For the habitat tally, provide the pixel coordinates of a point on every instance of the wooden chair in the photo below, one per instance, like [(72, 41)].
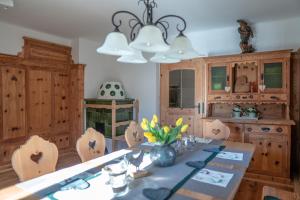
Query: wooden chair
[(90, 145), (216, 130), (134, 134), (35, 158), (278, 193)]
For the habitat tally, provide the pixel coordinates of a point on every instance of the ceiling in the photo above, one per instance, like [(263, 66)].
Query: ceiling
[(92, 18)]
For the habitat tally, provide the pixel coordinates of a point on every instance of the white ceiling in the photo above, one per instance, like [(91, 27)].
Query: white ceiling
[(92, 18)]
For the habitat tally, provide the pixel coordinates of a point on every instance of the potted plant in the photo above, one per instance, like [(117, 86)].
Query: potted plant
[(236, 111), (163, 154), (251, 112)]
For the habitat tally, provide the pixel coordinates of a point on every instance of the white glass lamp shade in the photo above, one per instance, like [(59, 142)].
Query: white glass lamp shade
[(163, 58), (150, 39), (136, 58), (182, 49), (115, 44)]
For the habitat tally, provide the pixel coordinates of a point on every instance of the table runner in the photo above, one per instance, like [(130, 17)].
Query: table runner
[(161, 177)]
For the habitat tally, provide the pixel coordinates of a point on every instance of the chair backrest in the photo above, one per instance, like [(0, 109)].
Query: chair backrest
[(269, 192), (134, 134), (90, 145), (216, 130), (35, 158)]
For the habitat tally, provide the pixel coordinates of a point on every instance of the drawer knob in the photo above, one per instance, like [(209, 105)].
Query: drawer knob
[(274, 97), (249, 129), (279, 130)]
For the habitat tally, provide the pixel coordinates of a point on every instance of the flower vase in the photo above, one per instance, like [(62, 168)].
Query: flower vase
[(163, 155), (236, 114), (252, 115)]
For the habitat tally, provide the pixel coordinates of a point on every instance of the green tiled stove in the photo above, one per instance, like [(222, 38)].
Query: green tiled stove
[(111, 117)]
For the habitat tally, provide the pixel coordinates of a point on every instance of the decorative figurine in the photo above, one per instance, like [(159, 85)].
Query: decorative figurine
[(136, 161), (245, 34)]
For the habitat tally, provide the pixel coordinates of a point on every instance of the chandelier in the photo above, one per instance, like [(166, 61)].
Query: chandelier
[(147, 35)]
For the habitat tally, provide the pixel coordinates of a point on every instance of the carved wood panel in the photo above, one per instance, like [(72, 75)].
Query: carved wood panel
[(276, 157), (13, 102), (61, 101), (39, 86)]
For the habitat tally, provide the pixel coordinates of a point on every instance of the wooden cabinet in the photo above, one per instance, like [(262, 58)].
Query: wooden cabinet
[(272, 154), (41, 94), (272, 144), (254, 78), (13, 102), (39, 102), (182, 94)]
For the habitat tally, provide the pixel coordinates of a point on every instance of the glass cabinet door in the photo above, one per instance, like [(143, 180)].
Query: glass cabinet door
[(182, 88), (219, 78), (273, 76)]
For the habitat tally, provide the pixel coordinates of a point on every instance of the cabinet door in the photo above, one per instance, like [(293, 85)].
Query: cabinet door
[(276, 157), (182, 94), (61, 102), (39, 115), (258, 156), (13, 102), (218, 78), (273, 75)]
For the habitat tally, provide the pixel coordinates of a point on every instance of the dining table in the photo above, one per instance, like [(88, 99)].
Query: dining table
[(209, 171)]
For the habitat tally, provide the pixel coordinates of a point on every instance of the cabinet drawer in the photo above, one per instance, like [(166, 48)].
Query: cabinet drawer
[(245, 97), (218, 97), (273, 97), (266, 129)]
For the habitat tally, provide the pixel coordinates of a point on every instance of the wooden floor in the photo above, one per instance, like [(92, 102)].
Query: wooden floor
[(249, 190)]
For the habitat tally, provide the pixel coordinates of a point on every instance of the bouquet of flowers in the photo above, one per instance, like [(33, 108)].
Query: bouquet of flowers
[(163, 135)]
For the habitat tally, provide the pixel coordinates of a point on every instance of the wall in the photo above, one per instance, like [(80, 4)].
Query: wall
[(11, 41), (139, 81), (273, 35)]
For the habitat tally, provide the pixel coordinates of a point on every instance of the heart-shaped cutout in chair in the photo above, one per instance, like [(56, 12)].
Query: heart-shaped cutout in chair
[(36, 157)]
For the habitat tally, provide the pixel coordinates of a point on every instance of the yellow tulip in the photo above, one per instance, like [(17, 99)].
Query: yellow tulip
[(152, 124), (179, 136), (144, 126), (155, 118), (184, 128), (145, 121), (148, 134), (152, 139), (179, 121), (166, 129)]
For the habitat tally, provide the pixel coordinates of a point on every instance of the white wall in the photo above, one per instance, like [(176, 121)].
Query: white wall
[(11, 38), (274, 35), (139, 81)]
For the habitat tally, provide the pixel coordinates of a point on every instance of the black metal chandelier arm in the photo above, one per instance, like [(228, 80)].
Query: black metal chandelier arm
[(165, 31), (174, 16), (118, 24), (133, 32)]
